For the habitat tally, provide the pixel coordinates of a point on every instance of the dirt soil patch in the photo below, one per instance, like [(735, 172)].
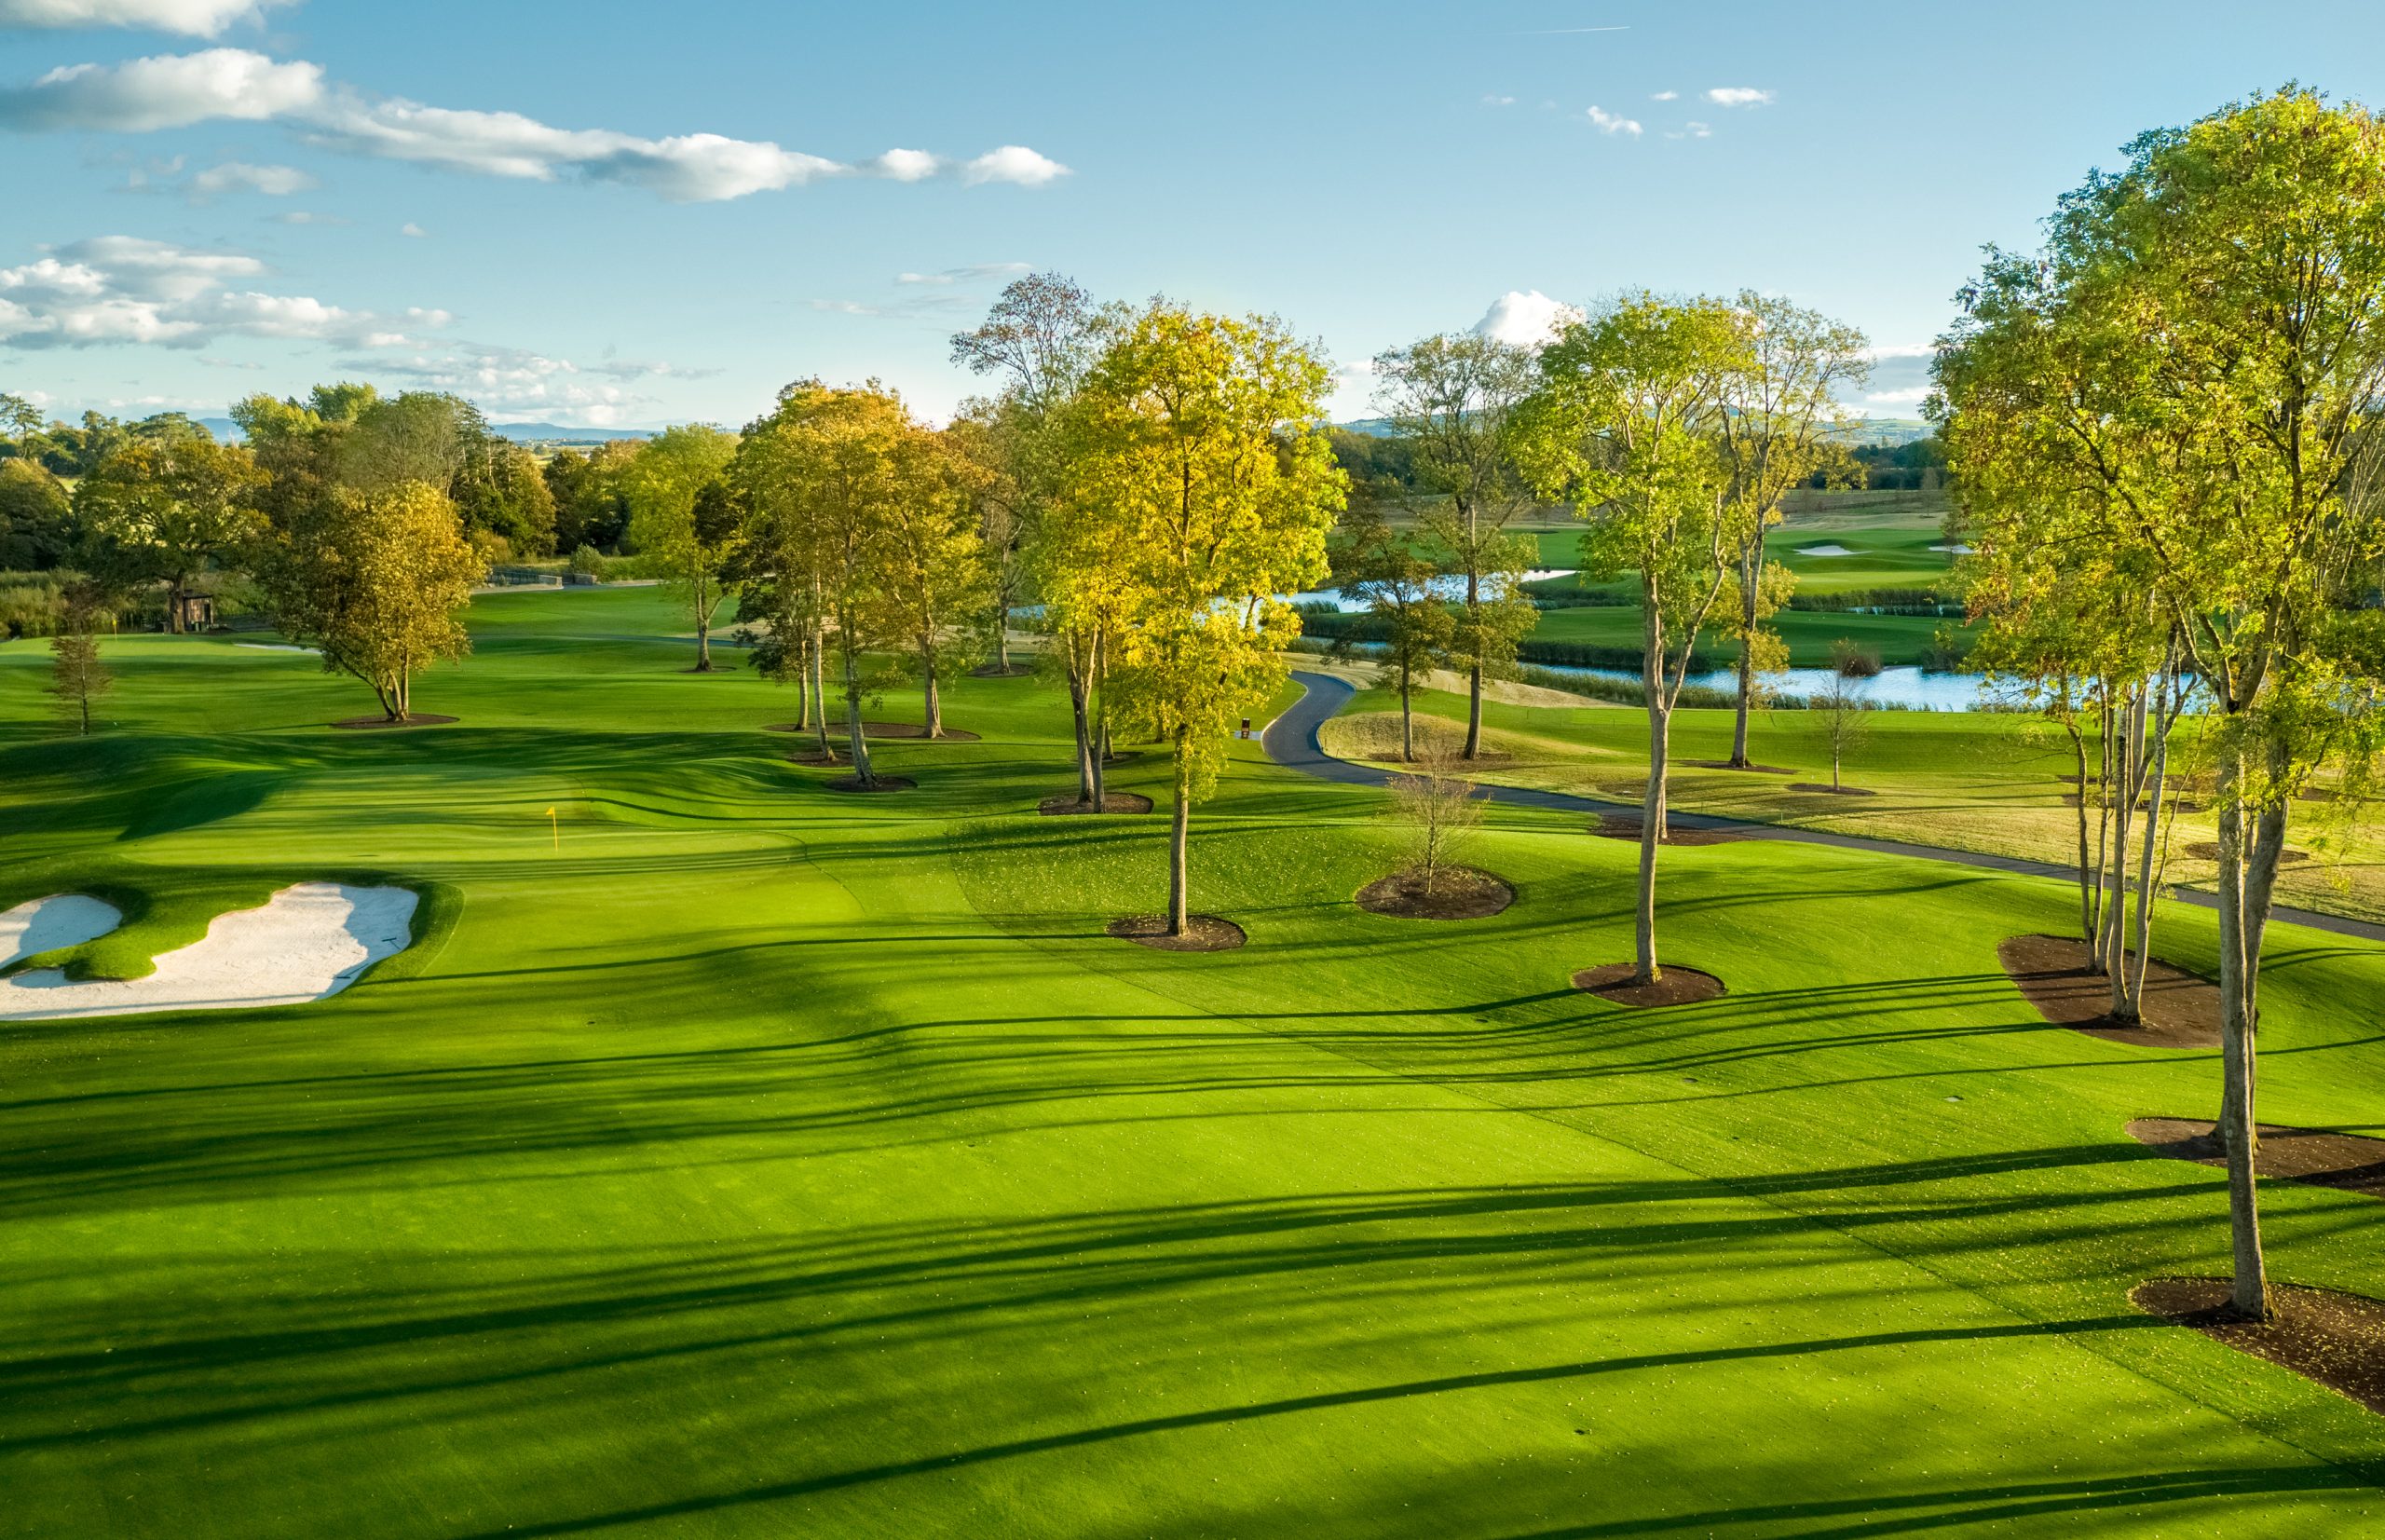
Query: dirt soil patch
[(1828, 790), (375, 724), (2169, 804), (878, 784), (2338, 1339), (1203, 932), (2351, 1162), (1626, 825), (1117, 801), (1676, 986), (2208, 849), (996, 670), (1465, 893), (1743, 770), (883, 730), (815, 757), (2181, 1011)]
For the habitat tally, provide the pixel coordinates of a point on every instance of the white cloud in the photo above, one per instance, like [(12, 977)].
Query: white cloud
[(307, 217), (235, 176), (120, 289), (413, 231), (521, 384), (193, 18), (1665, 96), (1526, 318), (167, 91), (1607, 122), (1494, 100), (1013, 163), (175, 92), (1739, 95), (1700, 130), (907, 165), (964, 275)]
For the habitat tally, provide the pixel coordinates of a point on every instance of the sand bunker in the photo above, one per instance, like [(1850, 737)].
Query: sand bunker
[(307, 943), (47, 924), (1823, 551), (277, 647)]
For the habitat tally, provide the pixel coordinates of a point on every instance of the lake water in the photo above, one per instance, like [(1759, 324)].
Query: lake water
[(1448, 588), (1903, 687)]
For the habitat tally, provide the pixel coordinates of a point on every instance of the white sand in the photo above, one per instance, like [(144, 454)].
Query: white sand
[(308, 943), (276, 647), (1957, 550), (1824, 551), (47, 924)]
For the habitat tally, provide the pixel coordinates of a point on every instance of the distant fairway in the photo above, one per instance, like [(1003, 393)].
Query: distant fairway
[(776, 1162)]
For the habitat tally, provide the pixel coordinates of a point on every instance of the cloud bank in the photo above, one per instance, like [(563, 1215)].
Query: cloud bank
[(178, 91), (1526, 319), (119, 289), (192, 17)]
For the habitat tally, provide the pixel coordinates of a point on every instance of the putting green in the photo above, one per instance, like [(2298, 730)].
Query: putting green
[(770, 1161)]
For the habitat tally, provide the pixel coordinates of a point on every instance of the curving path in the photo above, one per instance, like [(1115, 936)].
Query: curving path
[(1291, 739)]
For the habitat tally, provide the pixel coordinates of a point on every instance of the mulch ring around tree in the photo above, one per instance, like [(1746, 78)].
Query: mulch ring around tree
[(1116, 801), (2208, 849), (1460, 893), (2180, 1010), (1743, 770), (2338, 1339), (875, 783), (1675, 985), (1828, 790), (1626, 825), (375, 724), (874, 730), (1203, 932), (996, 670), (2349, 1163)]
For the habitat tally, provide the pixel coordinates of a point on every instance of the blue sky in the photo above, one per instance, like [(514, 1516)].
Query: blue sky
[(237, 196)]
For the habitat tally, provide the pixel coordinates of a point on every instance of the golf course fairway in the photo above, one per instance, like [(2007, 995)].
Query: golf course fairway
[(729, 1156)]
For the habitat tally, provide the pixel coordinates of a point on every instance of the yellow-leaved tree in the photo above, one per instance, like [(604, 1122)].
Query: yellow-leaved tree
[(376, 581), (688, 536), (1204, 448)]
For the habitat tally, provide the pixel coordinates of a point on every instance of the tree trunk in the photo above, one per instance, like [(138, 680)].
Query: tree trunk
[(854, 732), (1100, 735), (1077, 705), (934, 718), (1178, 920), (2155, 782), (1651, 806), (1001, 630), (820, 684), (2131, 755), (2087, 875), (1406, 718), (802, 685), (1474, 673), (703, 637), (1748, 578), (2238, 1125)]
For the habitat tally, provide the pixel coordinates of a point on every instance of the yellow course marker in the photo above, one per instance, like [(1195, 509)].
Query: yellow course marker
[(557, 822)]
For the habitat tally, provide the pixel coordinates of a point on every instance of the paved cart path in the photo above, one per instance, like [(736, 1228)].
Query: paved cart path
[(1290, 740)]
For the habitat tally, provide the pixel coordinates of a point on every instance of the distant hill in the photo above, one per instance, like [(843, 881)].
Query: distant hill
[(1863, 432), (227, 431)]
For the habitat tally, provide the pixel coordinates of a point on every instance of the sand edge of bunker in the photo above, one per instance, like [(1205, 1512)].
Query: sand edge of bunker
[(307, 941), (1203, 932), (1465, 893), (1615, 983), (2328, 1336), (2181, 1010), (1066, 805), (1626, 826), (2318, 1157)]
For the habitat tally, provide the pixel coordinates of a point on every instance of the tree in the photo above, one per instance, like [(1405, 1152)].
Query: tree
[(1204, 449), (500, 491), (36, 517), (375, 580), (79, 677), (1626, 424), (1387, 570), (690, 540), (1779, 423), (165, 511), (20, 419), (2227, 285), (987, 441), (1439, 809), (824, 475), (586, 491), (1038, 339), (935, 567), (1843, 700), (1450, 398)]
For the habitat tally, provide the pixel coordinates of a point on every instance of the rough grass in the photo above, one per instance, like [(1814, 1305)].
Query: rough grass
[(775, 1163)]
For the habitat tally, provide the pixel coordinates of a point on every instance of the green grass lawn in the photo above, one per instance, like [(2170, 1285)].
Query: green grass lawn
[(772, 1161)]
